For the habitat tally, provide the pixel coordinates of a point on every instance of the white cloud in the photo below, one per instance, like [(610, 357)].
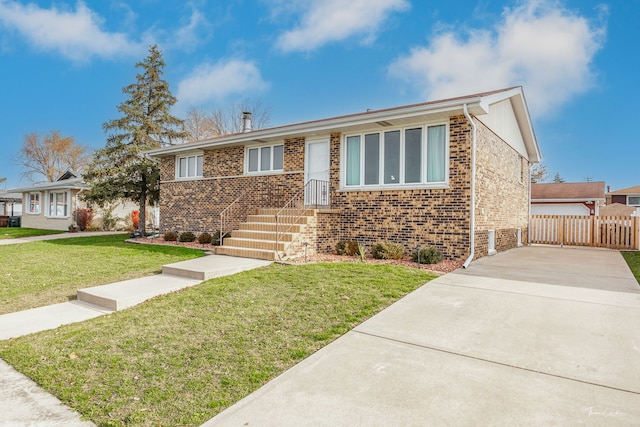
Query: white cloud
[(326, 21), (76, 35), (214, 82), (539, 45)]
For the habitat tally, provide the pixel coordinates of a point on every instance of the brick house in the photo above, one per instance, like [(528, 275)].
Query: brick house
[(420, 175)]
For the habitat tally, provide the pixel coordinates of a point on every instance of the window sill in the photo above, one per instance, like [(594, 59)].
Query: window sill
[(189, 178), (263, 173), (439, 186)]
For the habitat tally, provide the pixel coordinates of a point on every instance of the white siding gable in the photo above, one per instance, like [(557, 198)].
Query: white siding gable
[(502, 120)]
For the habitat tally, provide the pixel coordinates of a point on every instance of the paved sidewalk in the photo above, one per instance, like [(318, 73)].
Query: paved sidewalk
[(533, 336), (63, 235), (22, 402)]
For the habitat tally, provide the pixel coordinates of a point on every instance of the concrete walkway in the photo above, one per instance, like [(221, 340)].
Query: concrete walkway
[(62, 235), (23, 403), (533, 336)]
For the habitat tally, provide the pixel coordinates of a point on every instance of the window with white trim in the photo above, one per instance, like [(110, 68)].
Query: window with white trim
[(58, 204), (402, 157), (633, 200), (269, 158), (190, 166), (34, 204)]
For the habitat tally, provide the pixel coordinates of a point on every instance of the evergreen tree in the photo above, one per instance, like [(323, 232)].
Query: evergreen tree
[(558, 179), (120, 170)]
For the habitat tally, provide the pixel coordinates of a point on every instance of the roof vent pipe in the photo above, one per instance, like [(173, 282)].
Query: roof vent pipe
[(246, 122)]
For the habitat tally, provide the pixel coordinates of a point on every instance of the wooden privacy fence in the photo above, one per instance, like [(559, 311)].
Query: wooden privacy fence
[(615, 232)]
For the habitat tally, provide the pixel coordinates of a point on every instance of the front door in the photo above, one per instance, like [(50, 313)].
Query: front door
[(316, 168)]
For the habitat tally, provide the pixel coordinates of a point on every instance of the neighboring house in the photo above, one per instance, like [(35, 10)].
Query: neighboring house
[(420, 175), (627, 196), (51, 205), (618, 209), (567, 198), (10, 204), (624, 202)]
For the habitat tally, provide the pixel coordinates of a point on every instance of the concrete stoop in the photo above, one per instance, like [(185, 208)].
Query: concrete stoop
[(174, 277), (121, 295), (256, 238)]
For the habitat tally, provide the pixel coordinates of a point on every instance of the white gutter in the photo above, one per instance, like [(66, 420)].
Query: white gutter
[(472, 232)]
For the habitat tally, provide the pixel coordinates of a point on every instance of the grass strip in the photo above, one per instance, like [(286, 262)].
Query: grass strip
[(182, 358), (42, 273), (17, 232), (633, 260)]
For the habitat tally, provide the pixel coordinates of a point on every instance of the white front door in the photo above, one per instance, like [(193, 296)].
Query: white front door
[(316, 167)]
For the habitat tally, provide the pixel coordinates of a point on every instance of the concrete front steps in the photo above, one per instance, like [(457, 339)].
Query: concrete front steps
[(256, 238), (174, 277)]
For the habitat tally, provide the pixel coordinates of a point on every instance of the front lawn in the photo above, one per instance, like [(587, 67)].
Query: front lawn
[(182, 358), (633, 260), (42, 273), (17, 232)]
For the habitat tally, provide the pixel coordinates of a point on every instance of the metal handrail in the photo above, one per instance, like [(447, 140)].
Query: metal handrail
[(315, 194)]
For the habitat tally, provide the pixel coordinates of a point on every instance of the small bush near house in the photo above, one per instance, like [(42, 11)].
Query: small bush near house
[(135, 219), (427, 256), (170, 236), (204, 238), (83, 218), (187, 236), (109, 220), (347, 247), (387, 250), (215, 240)]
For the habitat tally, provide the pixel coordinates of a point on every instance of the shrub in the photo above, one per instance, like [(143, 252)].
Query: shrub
[(216, 238), (347, 247), (187, 236), (204, 238), (135, 219), (427, 256), (170, 236), (83, 218), (109, 220), (387, 250)]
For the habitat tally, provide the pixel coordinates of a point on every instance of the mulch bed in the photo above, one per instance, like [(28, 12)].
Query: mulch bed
[(445, 266)]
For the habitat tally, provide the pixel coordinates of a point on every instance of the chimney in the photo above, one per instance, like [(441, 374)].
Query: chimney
[(246, 122), (608, 189)]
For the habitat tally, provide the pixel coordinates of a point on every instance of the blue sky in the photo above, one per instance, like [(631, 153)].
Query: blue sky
[(63, 65)]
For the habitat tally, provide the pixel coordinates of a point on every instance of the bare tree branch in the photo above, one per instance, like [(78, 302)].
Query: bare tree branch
[(223, 121), (50, 156)]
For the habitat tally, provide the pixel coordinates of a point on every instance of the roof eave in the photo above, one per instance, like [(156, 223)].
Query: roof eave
[(476, 105)]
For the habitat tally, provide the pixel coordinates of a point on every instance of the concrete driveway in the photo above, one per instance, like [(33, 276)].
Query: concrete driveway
[(533, 336)]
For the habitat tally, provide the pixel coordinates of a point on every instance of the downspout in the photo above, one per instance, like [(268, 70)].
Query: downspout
[(472, 232)]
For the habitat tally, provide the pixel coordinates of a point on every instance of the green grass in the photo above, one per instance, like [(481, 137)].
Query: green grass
[(182, 358), (633, 260), (17, 232), (42, 273)]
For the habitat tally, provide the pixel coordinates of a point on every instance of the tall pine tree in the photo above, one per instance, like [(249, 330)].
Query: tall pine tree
[(120, 170)]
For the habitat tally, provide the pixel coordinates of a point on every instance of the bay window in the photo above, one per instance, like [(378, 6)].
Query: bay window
[(401, 157)]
